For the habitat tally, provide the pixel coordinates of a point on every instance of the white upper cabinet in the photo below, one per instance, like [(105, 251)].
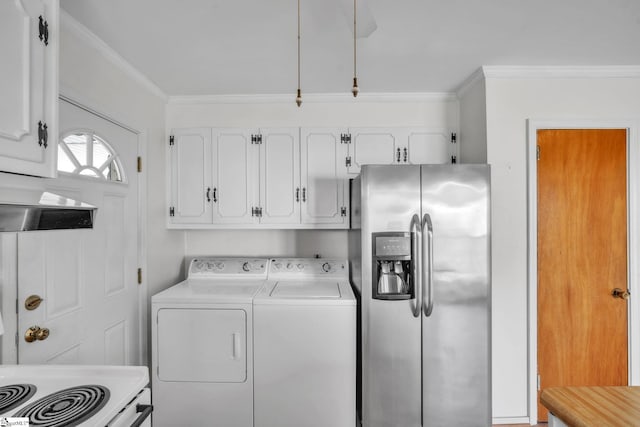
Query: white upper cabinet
[(402, 145), (191, 188), (29, 86), (234, 190), (257, 178), (324, 194), (279, 176)]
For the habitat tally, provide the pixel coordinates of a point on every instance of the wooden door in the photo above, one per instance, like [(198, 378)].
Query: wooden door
[(86, 278), (582, 256)]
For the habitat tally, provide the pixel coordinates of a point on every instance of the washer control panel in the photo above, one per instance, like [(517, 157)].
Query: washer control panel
[(308, 267), (202, 267)]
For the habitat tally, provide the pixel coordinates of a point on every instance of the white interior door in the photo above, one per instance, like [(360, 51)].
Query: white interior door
[(86, 278)]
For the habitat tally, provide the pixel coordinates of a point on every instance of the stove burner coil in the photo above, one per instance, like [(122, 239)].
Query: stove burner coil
[(66, 408), (14, 395)]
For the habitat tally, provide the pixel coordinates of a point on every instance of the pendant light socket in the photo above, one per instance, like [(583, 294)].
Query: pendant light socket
[(299, 98), (354, 89)]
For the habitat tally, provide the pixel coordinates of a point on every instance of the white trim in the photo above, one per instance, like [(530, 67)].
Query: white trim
[(470, 82), (9, 293), (560, 72), (314, 98), (512, 420), (633, 197), (143, 288), (70, 23)]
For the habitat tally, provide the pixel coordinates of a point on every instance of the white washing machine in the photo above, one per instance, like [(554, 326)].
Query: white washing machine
[(305, 345), (202, 344)]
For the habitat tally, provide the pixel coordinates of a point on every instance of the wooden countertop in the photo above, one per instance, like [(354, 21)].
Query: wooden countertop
[(594, 406)]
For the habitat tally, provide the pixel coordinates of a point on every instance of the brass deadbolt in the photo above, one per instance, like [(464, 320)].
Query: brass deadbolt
[(32, 302)]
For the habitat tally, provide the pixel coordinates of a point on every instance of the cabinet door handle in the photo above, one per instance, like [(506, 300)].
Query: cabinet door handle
[(43, 28), (406, 154), (215, 195), (297, 194), (304, 194), (208, 191), (46, 135), (398, 155)]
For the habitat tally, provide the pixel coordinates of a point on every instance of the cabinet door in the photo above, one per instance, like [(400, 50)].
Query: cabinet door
[(372, 146), (322, 177), (29, 87), (280, 176), (426, 146), (235, 176), (190, 157)]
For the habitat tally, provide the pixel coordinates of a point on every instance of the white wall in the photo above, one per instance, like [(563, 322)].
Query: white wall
[(510, 102), (473, 121), (432, 110), (93, 75)]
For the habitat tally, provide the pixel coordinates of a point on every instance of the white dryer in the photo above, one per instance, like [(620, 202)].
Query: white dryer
[(202, 344), (305, 345)]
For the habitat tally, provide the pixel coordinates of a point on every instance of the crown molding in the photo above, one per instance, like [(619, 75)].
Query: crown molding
[(70, 23), (316, 98), (560, 72)]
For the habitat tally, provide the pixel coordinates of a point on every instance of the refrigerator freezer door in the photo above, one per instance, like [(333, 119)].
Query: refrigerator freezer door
[(455, 341), (390, 333)]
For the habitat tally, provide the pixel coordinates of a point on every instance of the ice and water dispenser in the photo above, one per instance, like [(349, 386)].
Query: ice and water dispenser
[(392, 266)]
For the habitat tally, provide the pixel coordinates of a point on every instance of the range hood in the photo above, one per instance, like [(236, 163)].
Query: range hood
[(28, 210)]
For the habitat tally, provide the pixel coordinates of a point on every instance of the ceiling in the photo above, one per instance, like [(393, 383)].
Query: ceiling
[(220, 47)]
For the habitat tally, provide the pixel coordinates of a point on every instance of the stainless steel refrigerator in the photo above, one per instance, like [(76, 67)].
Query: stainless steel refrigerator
[(420, 256)]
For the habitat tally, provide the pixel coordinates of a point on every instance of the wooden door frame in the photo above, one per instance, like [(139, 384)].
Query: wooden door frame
[(633, 241)]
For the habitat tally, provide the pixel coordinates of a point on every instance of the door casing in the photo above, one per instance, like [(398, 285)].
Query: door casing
[(633, 241)]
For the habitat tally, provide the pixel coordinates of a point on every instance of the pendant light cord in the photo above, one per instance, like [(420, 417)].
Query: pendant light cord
[(299, 93), (354, 89)]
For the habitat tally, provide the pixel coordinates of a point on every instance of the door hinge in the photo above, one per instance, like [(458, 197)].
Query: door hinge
[(172, 211), (347, 161), (17, 305), (257, 212), (454, 138), (43, 134), (454, 160), (256, 139), (43, 30), (538, 385), (139, 276), (343, 211), (139, 164), (537, 152), (172, 140), (345, 138), (16, 340)]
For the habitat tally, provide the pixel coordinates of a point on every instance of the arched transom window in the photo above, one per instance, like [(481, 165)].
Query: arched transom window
[(86, 154)]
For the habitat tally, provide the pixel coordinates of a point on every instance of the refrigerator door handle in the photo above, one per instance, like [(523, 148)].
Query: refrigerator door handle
[(416, 250), (427, 307)]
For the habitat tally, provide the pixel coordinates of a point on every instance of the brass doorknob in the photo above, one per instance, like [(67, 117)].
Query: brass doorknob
[(42, 334), (31, 334), (619, 293), (36, 333)]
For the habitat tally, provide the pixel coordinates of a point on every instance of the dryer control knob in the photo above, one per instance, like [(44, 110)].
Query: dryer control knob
[(289, 266), (326, 267), (246, 266), (300, 267)]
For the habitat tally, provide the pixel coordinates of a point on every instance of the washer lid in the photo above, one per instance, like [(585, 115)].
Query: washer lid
[(305, 289)]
